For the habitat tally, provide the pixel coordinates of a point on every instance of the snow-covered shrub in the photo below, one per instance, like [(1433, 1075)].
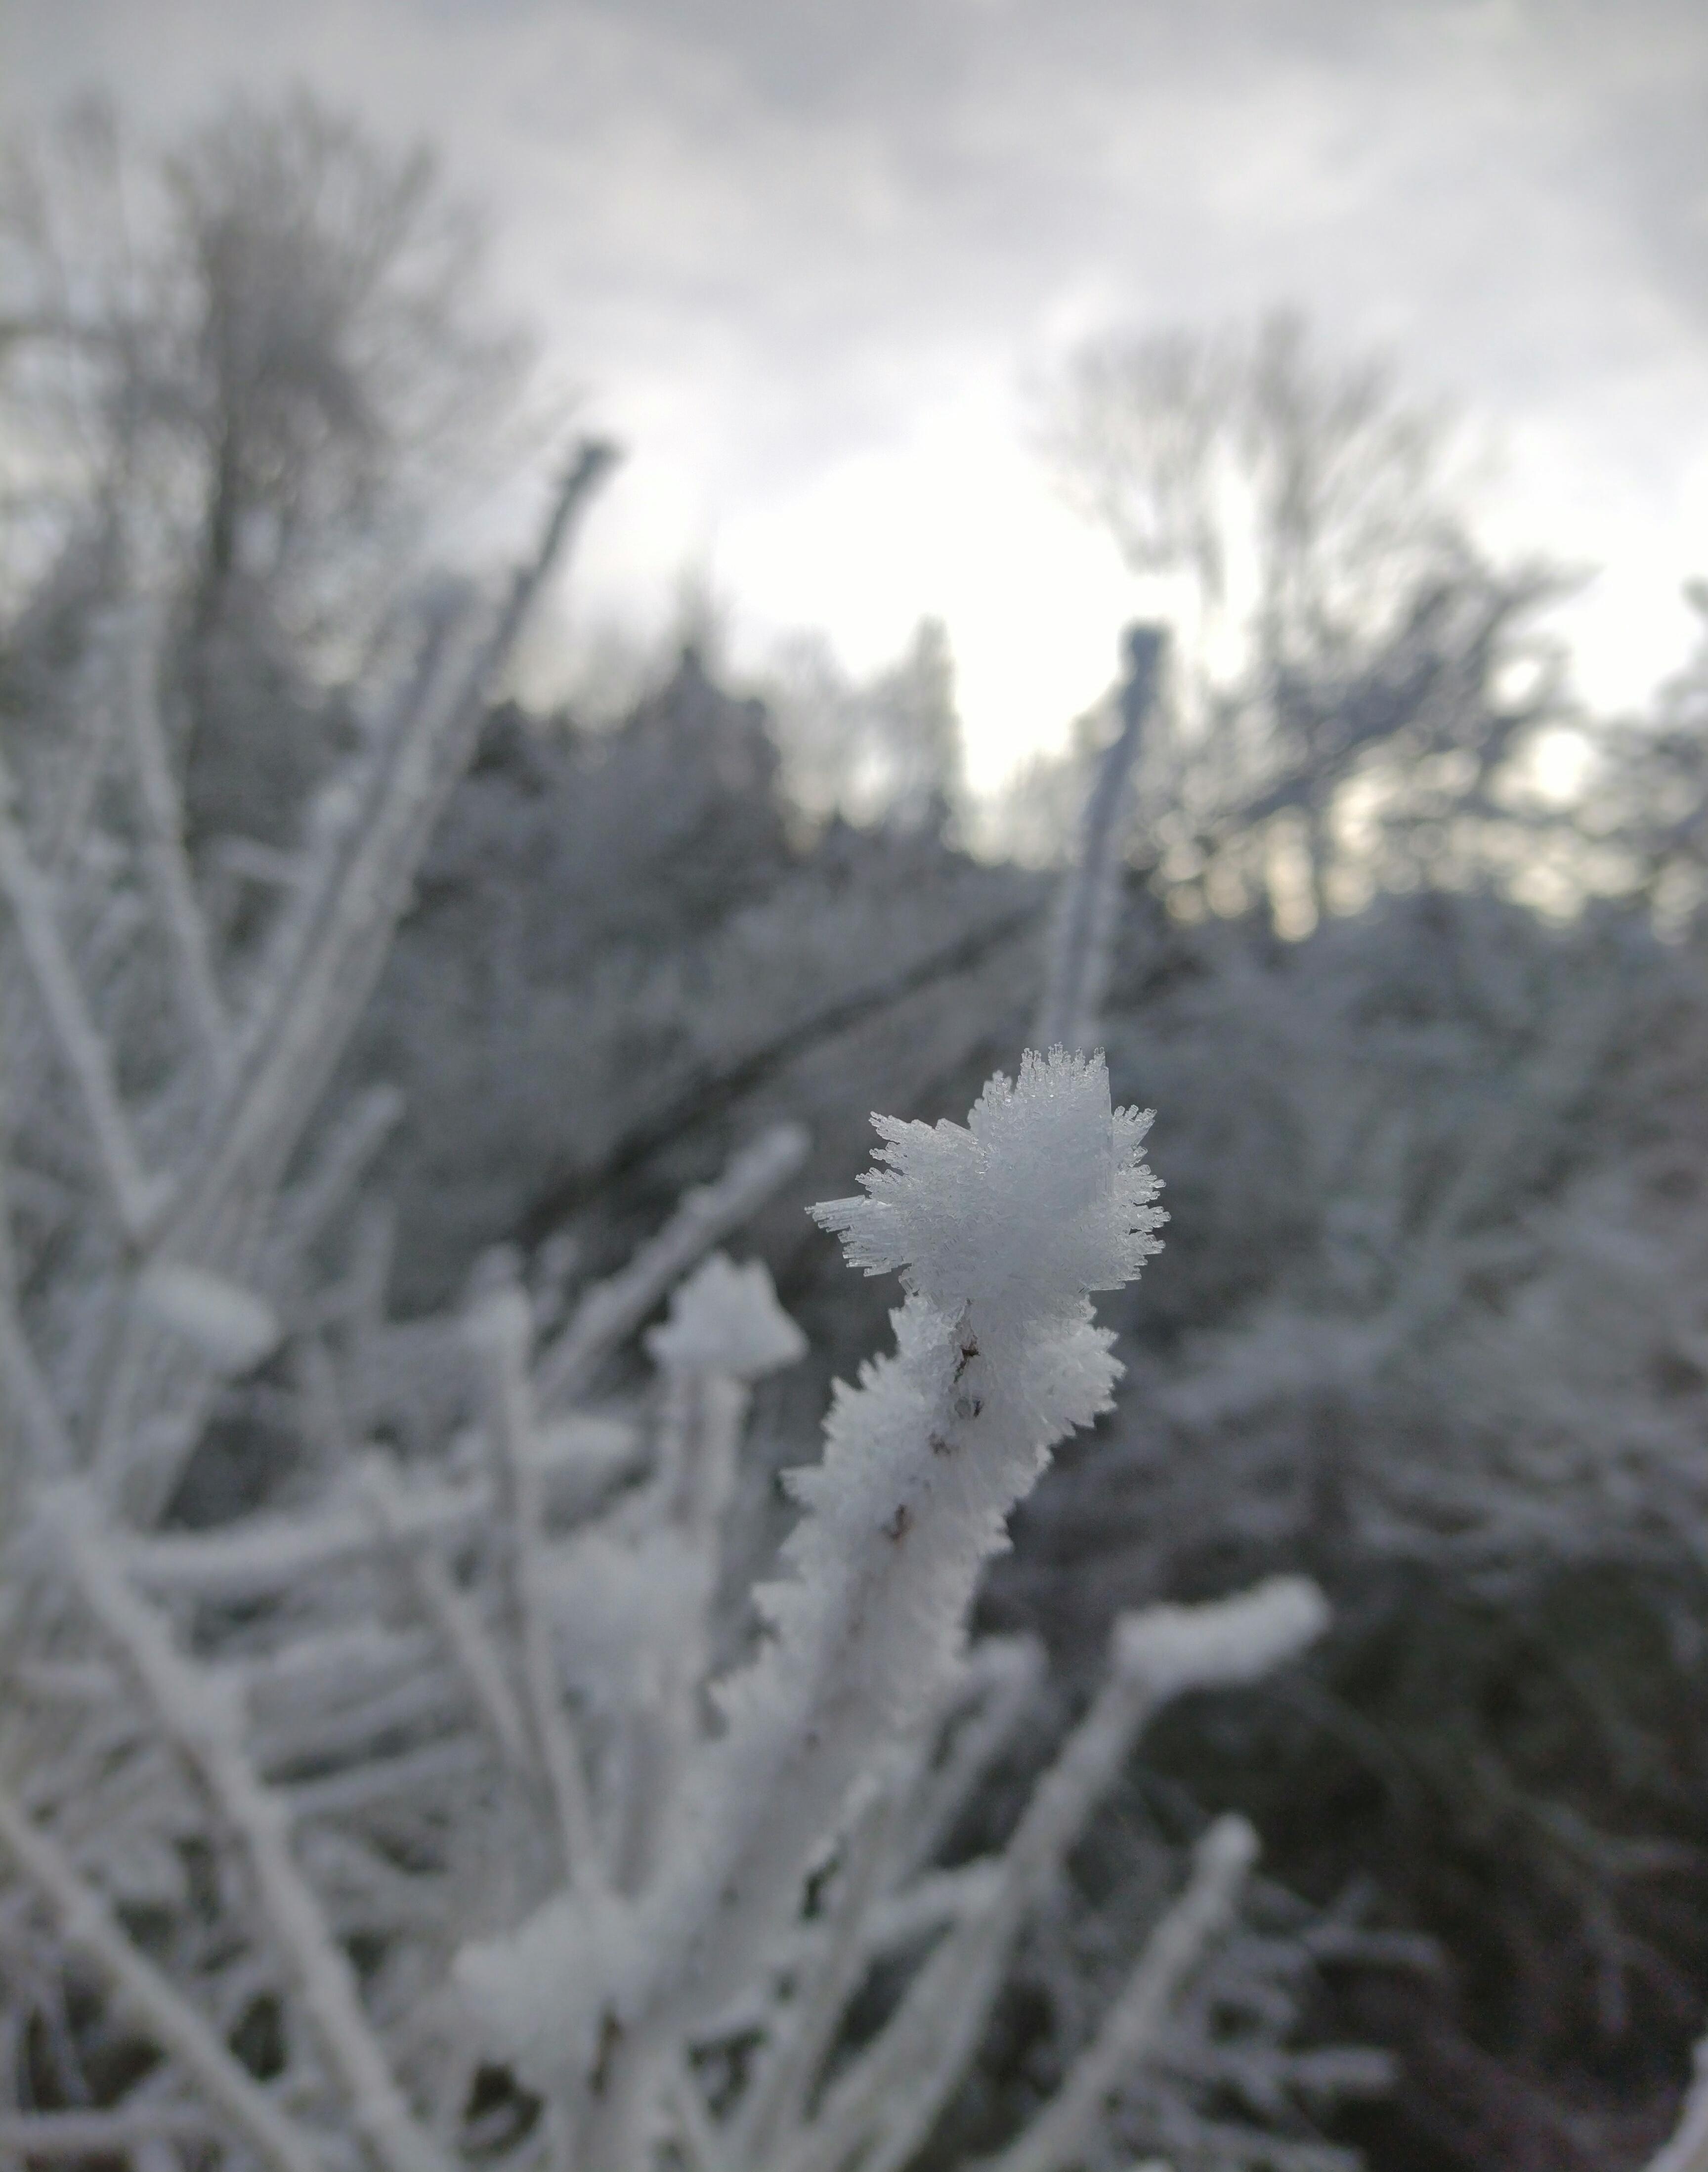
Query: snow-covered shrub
[(1498, 1487), (1431, 1328), (623, 915), (400, 1818), (433, 1745)]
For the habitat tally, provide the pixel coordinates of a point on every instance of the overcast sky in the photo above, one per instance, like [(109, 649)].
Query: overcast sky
[(812, 260)]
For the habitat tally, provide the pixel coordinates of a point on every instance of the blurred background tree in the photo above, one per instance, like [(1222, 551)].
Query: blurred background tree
[(886, 751), (1357, 683), (259, 379)]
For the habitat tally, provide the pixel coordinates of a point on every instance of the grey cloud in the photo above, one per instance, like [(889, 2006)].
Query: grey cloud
[(795, 226)]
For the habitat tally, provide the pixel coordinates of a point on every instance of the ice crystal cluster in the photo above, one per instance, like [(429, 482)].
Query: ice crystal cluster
[(415, 1818)]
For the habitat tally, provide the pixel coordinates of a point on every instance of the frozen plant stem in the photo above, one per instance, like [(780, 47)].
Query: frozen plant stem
[(896, 2090), (725, 1330), (1000, 1230), (137, 1197), (471, 1651), (614, 1309), (318, 999), (501, 1333), (1082, 935), (25, 1401), (200, 1713), (89, 1926), (50, 2134), (165, 866), (1067, 2132)]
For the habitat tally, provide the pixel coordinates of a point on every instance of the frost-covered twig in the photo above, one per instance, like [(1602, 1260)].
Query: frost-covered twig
[(614, 1309), (471, 1650), (805, 2034), (165, 866), (31, 1414), (48, 2135), (352, 1140), (312, 1001), (200, 1715), (502, 1331), (1083, 929), (1001, 1679), (725, 1330), (1000, 1230), (90, 1928), (269, 1552), (137, 1197), (1066, 2130), (900, 2083), (303, 1023)]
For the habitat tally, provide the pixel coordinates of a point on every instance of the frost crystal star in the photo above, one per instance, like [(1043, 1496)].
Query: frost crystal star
[(1042, 1196)]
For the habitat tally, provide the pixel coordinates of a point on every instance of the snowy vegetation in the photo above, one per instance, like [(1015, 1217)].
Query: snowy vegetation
[(411, 1816), (434, 1728)]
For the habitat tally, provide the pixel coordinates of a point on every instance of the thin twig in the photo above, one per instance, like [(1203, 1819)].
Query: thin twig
[(137, 1197), (352, 1140), (165, 866), (470, 1649), (200, 1713), (1084, 928), (501, 1330), (23, 1387), (1066, 2131), (314, 1014), (704, 1416), (784, 2084), (612, 1310), (101, 2133), (89, 1926)]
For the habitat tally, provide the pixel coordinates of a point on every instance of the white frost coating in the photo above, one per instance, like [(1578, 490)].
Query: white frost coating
[(1068, 2131), (1000, 1230), (726, 1319), (584, 1443), (545, 1991), (613, 1602), (614, 1309), (1082, 940), (231, 1326), (1042, 1196), (1171, 1649)]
